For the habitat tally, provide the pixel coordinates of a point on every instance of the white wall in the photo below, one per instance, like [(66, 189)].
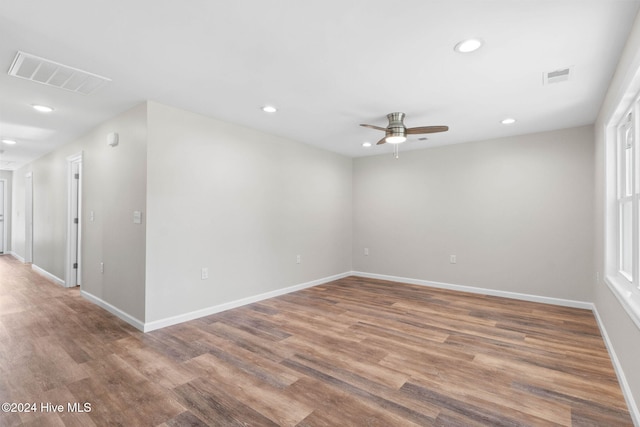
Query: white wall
[(623, 333), (517, 213), (243, 204)]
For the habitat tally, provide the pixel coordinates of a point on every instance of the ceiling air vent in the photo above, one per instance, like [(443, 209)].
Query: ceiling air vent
[(40, 70), (557, 76)]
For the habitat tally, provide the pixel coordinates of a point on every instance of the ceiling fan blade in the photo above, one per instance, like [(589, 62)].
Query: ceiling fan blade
[(427, 129), (382, 141), (375, 127)]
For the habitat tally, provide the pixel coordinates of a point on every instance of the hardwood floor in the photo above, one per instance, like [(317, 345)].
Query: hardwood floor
[(355, 352)]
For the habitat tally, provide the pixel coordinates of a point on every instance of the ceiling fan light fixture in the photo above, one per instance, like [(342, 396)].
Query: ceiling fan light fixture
[(395, 139), (468, 46)]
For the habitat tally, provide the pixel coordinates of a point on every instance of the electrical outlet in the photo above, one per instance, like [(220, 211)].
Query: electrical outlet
[(298, 259), (453, 259), (204, 273), (366, 251)]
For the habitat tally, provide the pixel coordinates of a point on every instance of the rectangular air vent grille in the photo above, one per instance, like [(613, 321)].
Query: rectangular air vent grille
[(40, 70), (557, 76)]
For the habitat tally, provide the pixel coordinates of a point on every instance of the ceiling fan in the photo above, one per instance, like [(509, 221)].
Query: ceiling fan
[(397, 132)]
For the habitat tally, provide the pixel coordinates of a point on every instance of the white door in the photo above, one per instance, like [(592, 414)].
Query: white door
[(2, 217), (28, 220)]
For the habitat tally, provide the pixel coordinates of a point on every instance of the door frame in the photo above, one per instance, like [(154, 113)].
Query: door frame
[(72, 279), (28, 217), (4, 219)]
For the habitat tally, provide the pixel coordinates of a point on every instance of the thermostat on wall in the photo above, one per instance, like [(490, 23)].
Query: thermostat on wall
[(112, 139)]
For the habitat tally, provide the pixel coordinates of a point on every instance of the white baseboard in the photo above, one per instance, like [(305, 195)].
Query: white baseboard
[(45, 273), (16, 256), (475, 290), (138, 324), (174, 320), (162, 323), (624, 385)]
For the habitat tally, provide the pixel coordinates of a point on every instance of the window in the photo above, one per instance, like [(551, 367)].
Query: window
[(627, 198), (623, 216)]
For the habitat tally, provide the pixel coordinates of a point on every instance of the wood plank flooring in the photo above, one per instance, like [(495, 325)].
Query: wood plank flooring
[(354, 352)]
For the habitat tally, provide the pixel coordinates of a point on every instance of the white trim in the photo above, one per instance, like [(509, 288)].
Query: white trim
[(70, 257), (46, 274), (624, 385), (482, 291), (28, 217), (16, 256), (158, 324), (138, 324), (174, 320), (628, 297), (5, 231), (625, 100)]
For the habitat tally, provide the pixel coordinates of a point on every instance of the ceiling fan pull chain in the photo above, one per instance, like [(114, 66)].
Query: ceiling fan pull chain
[(396, 149)]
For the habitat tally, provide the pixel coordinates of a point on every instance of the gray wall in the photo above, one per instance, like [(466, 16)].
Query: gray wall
[(243, 204), (237, 201), (49, 209), (623, 333), (114, 185), (517, 213)]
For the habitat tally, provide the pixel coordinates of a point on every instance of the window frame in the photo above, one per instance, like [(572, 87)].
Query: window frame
[(626, 192), (626, 287)]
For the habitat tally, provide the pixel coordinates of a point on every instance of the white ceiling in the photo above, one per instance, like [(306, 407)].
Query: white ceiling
[(328, 65)]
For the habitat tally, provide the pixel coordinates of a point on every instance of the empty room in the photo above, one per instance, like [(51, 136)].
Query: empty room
[(320, 213)]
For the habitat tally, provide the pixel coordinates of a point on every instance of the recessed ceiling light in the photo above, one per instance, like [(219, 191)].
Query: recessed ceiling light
[(42, 108), (8, 141), (468, 46), (508, 121), (366, 144), (269, 109)]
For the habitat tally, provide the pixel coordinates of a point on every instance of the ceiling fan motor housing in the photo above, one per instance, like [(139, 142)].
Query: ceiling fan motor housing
[(396, 131)]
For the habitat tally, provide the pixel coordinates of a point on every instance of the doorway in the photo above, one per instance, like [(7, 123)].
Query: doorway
[(74, 229)]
